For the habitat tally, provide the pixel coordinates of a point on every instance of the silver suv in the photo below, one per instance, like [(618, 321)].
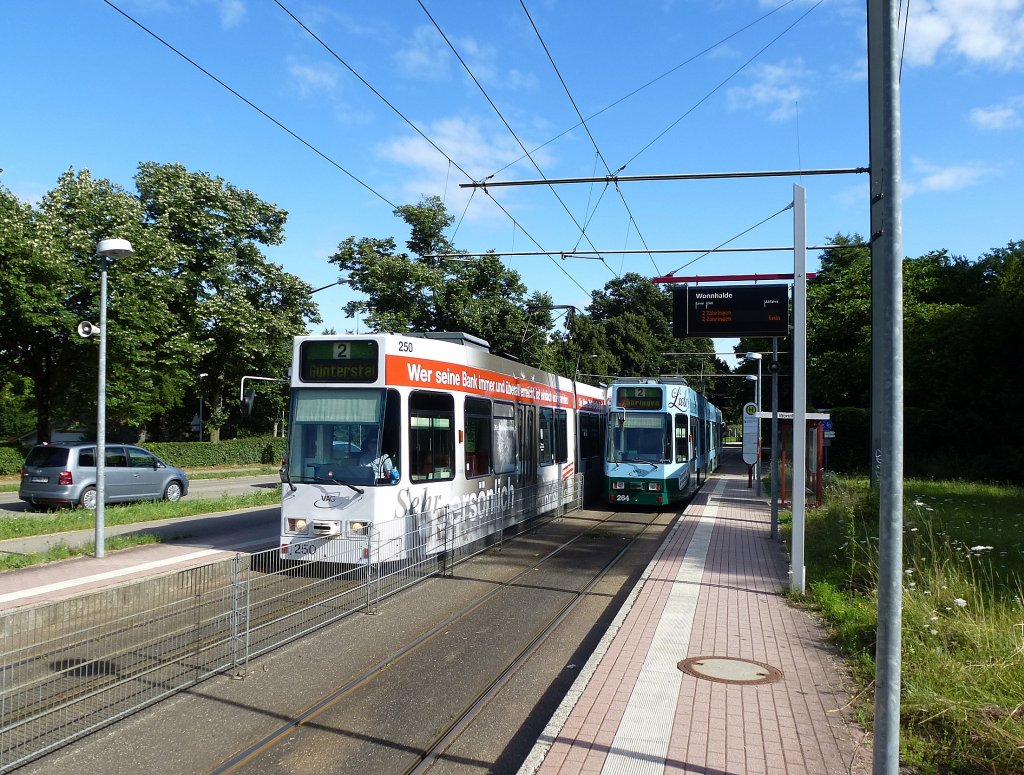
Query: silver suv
[(61, 474)]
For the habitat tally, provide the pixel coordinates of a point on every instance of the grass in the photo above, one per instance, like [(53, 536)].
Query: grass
[(10, 483), (64, 552), (64, 520), (962, 704)]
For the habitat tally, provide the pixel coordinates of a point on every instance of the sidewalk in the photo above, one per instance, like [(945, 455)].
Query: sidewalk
[(714, 590)]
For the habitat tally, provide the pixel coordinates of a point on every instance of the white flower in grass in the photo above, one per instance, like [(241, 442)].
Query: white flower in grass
[(909, 571), (933, 618), (911, 584), (959, 601), (934, 632), (980, 548)]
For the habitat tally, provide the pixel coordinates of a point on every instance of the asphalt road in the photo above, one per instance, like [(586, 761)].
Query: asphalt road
[(197, 488)]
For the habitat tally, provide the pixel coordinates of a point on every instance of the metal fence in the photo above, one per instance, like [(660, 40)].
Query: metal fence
[(72, 666)]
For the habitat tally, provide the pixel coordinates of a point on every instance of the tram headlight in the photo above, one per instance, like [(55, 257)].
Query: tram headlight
[(358, 528), (618, 485), (297, 525), (653, 486)]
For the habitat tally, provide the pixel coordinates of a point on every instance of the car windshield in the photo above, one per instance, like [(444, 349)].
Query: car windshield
[(48, 457)]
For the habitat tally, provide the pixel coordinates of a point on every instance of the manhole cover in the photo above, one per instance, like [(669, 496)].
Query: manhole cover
[(729, 670)]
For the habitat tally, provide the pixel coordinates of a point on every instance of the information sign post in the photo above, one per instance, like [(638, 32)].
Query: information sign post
[(751, 432)]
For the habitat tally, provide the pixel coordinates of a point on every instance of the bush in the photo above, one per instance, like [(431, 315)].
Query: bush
[(256, 450), (11, 460)]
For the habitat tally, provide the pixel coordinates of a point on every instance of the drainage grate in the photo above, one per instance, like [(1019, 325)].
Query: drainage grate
[(728, 670)]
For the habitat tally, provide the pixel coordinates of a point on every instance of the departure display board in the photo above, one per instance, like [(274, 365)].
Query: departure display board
[(735, 310), (340, 360), (638, 398)]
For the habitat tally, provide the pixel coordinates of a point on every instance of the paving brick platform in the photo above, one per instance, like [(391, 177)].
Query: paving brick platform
[(716, 588)]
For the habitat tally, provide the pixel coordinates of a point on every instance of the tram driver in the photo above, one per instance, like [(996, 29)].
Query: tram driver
[(380, 463)]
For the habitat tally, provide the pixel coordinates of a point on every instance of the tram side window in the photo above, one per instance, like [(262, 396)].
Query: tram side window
[(505, 442), (561, 436), (546, 436), (431, 436), (682, 439), (590, 436), (478, 437)]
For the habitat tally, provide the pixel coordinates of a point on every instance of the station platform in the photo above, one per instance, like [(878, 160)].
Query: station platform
[(708, 668)]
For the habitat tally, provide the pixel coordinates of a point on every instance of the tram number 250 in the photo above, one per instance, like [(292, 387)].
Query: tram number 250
[(309, 549)]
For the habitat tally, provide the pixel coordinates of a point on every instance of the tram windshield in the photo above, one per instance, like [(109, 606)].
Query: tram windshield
[(635, 437), (342, 436)]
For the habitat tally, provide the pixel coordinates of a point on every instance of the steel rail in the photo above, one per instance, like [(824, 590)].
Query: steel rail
[(329, 700)]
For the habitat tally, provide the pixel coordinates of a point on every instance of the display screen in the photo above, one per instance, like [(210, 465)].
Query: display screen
[(737, 310), (638, 398), (339, 360)]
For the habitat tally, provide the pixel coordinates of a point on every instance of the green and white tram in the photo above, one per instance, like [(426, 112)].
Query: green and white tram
[(663, 440)]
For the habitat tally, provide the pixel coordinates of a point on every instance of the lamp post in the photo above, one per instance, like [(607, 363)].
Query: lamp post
[(757, 400), (204, 374), (106, 251)]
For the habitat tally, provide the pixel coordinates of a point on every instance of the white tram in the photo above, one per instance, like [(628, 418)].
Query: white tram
[(400, 445)]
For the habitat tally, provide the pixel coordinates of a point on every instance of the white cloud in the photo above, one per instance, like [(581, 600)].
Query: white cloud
[(466, 142), (985, 31), (231, 13), (427, 56), (774, 88), (311, 79), (926, 177), (996, 117)]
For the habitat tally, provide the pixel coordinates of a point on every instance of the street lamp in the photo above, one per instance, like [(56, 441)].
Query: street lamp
[(106, 251), (204, 374)]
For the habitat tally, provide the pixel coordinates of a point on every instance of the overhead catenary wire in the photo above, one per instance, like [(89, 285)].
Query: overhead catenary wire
[(722, 83), (649, 83), (586, 128), (253, 105), (736, 237), (501, 116), (413, 126)]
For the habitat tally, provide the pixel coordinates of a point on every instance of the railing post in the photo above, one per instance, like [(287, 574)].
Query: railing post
[(239, 655), (447, 538)]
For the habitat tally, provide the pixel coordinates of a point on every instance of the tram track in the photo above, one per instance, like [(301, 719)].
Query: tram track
[(424, 756)]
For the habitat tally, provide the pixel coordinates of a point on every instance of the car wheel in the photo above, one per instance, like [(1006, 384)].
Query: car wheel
[(87, 500), (172, 492)]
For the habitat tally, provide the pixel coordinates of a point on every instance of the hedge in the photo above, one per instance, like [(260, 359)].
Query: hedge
[(11, 460), (255, 450)]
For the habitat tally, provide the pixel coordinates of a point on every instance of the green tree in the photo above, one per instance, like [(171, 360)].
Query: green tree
[(420, 291), (50, 282), (236, 311), (635, 315)]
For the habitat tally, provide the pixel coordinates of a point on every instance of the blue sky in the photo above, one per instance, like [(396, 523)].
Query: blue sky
[(747, 86)]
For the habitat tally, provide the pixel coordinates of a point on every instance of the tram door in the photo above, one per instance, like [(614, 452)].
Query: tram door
[(526, 417)]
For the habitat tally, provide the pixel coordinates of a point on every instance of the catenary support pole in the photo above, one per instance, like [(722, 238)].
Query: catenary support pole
[(774, 368), (797, 581), (887, 376)]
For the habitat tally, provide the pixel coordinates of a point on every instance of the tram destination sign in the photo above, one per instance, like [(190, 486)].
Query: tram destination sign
[(733, 310)]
